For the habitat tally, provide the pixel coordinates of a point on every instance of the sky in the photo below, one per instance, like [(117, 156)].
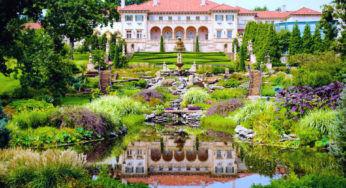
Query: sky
[(274, 4)]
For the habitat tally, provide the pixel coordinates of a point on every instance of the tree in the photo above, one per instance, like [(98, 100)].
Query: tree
[(242, 56), (261, 9), (13, 14), (340, 13), (307, 40), (99, 57), (197, 44), (116, 62), (235, 43), (40, 65), (328, 25), (295, 41), (162, 49), (317, 40), (76, 19), (129, 2), (283, 41)]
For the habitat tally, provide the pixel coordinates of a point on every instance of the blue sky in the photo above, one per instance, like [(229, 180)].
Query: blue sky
[(274, 4)]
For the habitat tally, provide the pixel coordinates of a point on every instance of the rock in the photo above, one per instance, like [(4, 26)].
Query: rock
[(199, 83), (244, 133), (212, 80), (215, 87), (167, 82)]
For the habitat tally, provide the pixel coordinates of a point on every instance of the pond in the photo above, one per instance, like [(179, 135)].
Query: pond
[(188, 157)]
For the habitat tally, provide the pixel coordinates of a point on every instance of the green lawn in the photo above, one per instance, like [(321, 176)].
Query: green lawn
[(188, 57), (70, 100), (8, 84), (81, 59)]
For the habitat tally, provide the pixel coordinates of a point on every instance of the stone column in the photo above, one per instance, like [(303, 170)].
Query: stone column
[(235, 52), (107, 50)]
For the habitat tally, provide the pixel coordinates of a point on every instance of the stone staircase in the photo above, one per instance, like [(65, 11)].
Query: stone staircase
[(255, 84)]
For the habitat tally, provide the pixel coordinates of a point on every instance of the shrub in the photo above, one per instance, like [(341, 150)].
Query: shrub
[(224, 94), (195, 95), (321, 120), (133, 120), (33, 119), (51, 168), (140, 83), (219, 70), (268, 92), (29, 105), (232, 83), (298, 100), (116, 108), (251, 110), (4, 132), (224, 107), (218, 123), (281, 79), (75, 117), (147, 94)]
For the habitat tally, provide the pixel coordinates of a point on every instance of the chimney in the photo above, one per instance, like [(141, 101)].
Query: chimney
[(203, 3), (155, 2), (122, 3), (283, 8)]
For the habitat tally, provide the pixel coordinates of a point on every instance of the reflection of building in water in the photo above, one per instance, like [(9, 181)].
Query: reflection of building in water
[(173, 157)]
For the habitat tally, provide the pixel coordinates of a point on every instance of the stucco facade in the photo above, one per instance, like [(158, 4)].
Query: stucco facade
[(215, 25)]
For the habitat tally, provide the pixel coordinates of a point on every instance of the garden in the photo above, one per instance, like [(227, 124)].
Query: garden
[(89, 116)]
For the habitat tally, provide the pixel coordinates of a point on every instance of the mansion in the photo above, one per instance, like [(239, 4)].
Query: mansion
[(216, 25)]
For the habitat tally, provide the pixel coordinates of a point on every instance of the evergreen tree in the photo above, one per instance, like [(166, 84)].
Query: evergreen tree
[(283, 41), (307, 40), (317, 40), (242, 56), (4, 132), (116, 57), (295, 41), (329, 25), (197, 44), (235, 44), (161, 45)]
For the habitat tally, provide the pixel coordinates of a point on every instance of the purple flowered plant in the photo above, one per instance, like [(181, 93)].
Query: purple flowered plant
[(298, 100), (82, 118), (194, 108), (224, 107), (150, 93)]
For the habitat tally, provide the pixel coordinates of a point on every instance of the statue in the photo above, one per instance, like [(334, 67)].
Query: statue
[(193, 68), (179, 63), (252, 55), (179, 46), (164, 67)]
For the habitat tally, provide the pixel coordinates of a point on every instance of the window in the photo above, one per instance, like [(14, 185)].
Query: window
[(219, 17), (128, 35), (229, 170), (230, 17), (179, 34), (139, 36), (197, 18), (190, 35), (139, 18), (218, 170), (179, 18), (168, 35), (151, 18), (218, 34), (170, 18), (139, 170), (218, 154), (188, 18), (160, 18), (128, 18), (229, 154), (129, 169), (229, 34), (206, 18)]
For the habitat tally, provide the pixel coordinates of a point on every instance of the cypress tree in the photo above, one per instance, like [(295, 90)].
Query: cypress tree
[(197, 44), (284, 40), (235, 43), (161, 45), (295, 41), (116, 57), (307, 40), (241, 65), (317, 40)]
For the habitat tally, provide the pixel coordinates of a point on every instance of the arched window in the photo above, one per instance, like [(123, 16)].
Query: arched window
[(168, 35), (179, 35), (191, 35)]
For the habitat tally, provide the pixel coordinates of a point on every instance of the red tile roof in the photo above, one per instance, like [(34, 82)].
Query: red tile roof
[(177, 6), (306, 11), (245, 11), (272, 14), (36, 25)]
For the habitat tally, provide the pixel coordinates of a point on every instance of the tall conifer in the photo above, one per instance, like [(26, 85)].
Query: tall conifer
[(307, 40), (295, 41)]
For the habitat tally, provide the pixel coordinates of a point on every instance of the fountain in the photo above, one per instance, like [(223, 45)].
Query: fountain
[(179, 46), (179, 63)]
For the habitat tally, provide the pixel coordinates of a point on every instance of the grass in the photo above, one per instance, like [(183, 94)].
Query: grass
[(187, 58), (81, 60), (70, 100), (8, 84)]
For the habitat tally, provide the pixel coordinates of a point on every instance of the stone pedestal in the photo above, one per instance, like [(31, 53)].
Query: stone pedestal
[(164, 67), (191, 80), (193, 68), (269, 65)]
